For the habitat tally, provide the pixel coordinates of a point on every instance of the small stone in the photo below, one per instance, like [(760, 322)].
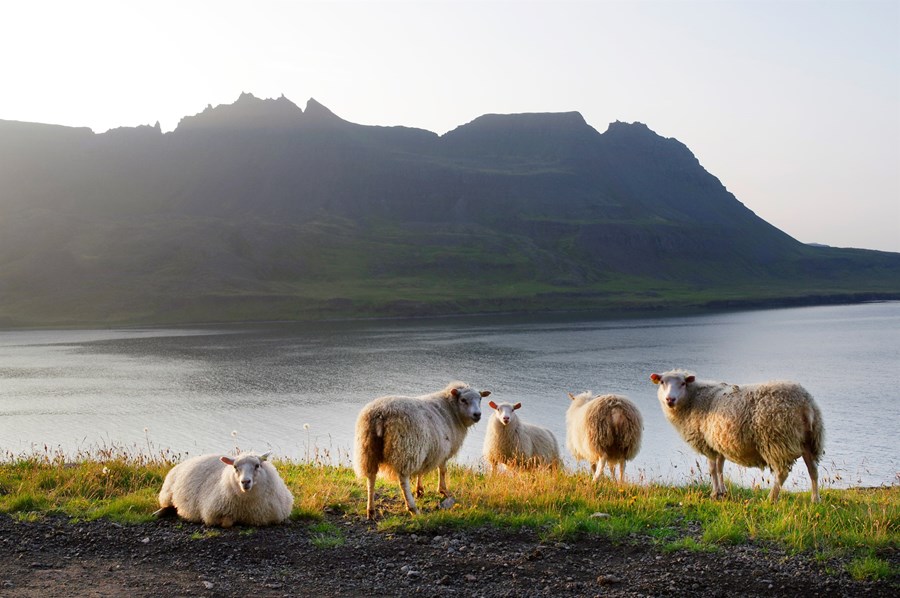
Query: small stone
[(448, 502), (444, 580), (608, 579), (413, 573), (208, 585), (599, 515), (145, 541), (470, 577)]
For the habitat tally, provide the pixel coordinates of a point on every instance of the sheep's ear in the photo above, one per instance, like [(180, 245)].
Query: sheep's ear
[(265, 455), (571, 396), (485, 393), (227, 460), (656, 378), (492, 404), (454, 392), (517, 406), (689, 379)]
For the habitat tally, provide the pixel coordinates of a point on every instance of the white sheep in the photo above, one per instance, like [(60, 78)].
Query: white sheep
[(757, 425), (516, 443), (221, 491), (409, 436), (603, 430)]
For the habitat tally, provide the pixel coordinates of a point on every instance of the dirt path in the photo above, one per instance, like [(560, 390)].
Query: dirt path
[(54, 557)]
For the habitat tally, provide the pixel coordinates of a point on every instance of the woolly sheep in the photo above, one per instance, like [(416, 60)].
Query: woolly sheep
[(515, 443), (756, 425), (603, 430), (221, 491), (404, 436)]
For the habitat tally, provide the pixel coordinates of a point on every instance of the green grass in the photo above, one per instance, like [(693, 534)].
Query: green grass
[(857, 524)]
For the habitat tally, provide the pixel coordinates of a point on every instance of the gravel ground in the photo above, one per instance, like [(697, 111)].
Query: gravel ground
[(54, 557)]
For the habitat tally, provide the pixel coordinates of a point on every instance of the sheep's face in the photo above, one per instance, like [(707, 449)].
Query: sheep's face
[(246, 469), (673, 388), (504, 412), (468, 403)]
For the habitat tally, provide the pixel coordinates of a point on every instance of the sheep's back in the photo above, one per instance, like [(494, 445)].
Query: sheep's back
[(416, 434), (759, 425), (192, 480)]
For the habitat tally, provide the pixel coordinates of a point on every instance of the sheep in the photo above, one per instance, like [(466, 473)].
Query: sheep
[(757, 425), (603, 430), (515, 443), (221, 491), (404, 436)]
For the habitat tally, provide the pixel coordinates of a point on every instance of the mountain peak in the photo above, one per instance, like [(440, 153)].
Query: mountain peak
[(247, 112)]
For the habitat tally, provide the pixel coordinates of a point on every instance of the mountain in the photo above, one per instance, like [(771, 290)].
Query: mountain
[(263, 210)]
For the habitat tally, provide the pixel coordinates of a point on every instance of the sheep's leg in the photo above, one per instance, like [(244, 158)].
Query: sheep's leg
[(813, 474), (420, 487), (780, 477), (720, 468), (715, 479), (622, 471), (370, 497), (442, 480), (408, 496), (598, 470)]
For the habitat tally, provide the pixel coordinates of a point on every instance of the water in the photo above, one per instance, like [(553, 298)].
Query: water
[(296, 388)]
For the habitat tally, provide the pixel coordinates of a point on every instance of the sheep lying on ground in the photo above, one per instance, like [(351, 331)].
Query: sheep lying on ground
[(222, 491), (410, 436), (757, 425), (515, 443), (603, 430)]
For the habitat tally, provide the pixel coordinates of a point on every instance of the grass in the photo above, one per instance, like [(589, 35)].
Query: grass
[(860, 525)]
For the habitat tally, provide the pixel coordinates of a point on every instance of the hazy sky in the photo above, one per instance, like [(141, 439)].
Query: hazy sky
[(793, 105)]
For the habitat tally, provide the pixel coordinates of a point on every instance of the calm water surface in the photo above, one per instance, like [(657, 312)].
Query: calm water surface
[(296, 388)]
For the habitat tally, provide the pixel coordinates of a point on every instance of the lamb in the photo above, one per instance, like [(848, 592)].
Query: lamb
[(515, 443), (221, 491), (404, 436), (756, 425), (603, 430)]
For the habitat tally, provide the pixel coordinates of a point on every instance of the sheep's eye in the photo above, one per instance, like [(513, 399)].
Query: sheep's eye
[(257, 466)]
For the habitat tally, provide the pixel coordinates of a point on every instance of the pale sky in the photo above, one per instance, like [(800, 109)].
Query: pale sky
[(793, 105)]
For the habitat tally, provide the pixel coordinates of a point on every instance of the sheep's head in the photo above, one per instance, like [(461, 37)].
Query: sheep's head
[(246, 469), (673, 387), (504, 412), (468, 403)]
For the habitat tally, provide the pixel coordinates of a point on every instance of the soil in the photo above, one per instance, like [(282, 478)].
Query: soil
[(56, 557)]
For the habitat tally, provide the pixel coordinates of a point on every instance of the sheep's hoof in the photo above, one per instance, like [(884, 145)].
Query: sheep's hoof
[(420, 492), (448, 502), (169, 511), (370, 514)]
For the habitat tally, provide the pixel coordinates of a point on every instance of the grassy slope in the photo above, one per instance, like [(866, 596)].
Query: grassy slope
[(862, 523)]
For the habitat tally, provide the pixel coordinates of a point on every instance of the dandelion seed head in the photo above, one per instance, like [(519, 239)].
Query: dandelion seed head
[(306, 426)]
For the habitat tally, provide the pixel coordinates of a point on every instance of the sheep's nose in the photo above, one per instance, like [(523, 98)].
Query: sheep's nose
[(505, 420), (670, 401), (476, 416)]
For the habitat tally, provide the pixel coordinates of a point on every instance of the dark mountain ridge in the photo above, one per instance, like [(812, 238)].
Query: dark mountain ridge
[(263, 210)]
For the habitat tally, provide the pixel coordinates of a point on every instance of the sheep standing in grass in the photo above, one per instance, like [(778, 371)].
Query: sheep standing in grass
[(515, 443), (757, 425), (409, 436), (221, 491), (603, 430)]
